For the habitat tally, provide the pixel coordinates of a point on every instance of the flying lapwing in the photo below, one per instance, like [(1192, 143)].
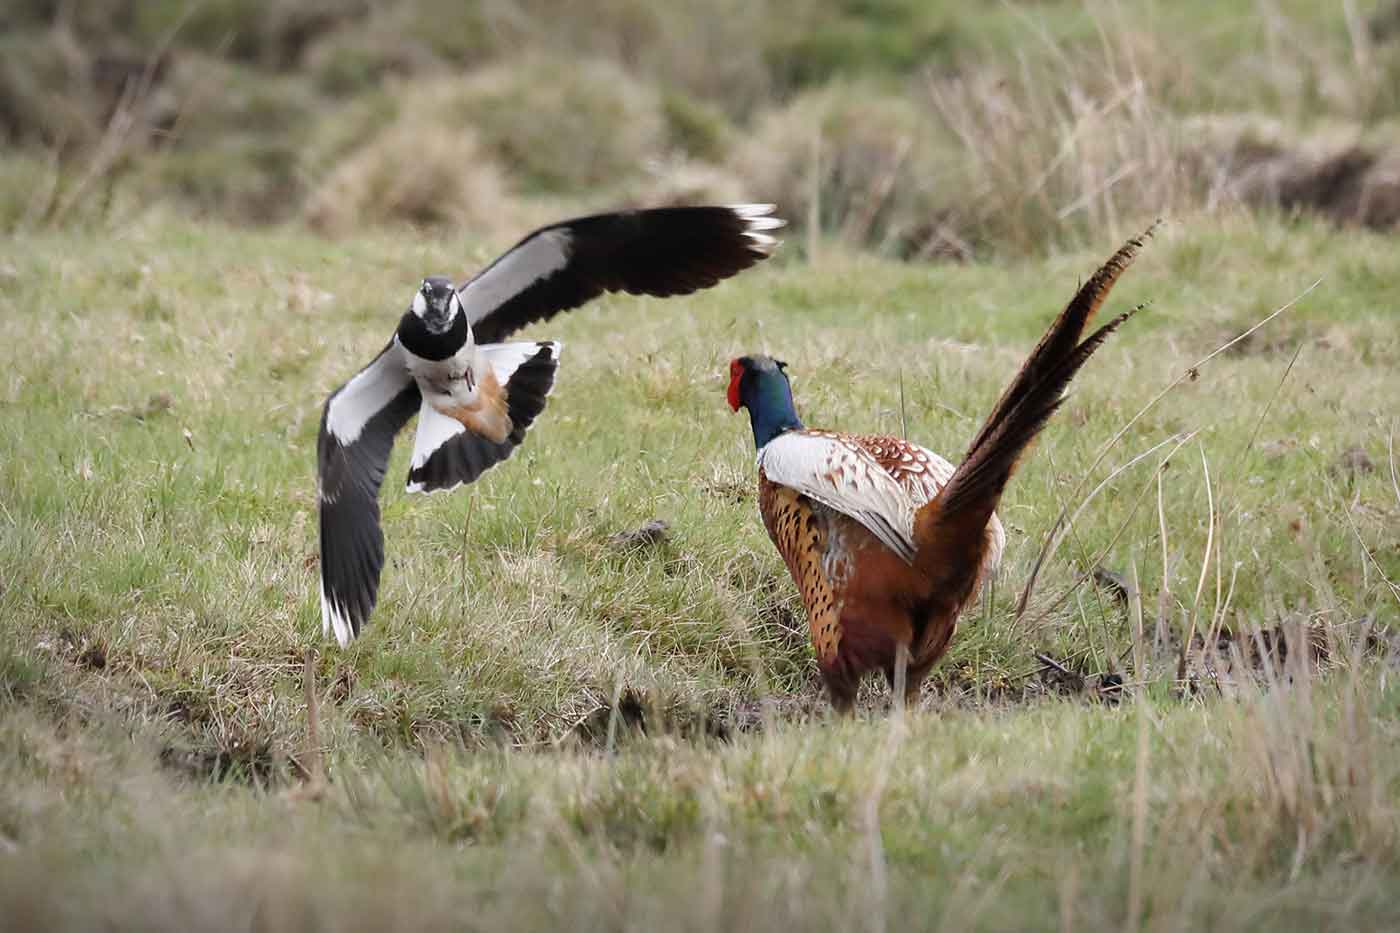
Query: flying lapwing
[(475, 395)]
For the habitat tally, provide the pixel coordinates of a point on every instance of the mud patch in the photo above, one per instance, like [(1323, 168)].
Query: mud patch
[(1065, 679), (93, 657)]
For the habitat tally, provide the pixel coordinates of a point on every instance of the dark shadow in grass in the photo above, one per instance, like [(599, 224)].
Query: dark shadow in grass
[(93, 657), (1384, 23), (647, 535), (630, 718), (248, 761), (20, 676), (641, 714)]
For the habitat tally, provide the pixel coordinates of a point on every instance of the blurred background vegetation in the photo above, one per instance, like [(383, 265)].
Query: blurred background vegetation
[(915, 129)]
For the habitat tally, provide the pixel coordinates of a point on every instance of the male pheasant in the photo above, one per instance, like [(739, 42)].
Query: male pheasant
[(886, 541)]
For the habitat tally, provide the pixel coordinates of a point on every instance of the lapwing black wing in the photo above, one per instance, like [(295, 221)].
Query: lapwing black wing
[(475, 395)]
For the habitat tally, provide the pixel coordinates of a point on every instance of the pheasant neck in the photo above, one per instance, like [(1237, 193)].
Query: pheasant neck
[(771, 411)]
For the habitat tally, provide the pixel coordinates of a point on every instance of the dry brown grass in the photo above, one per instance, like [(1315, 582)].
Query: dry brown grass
[(904, 129), (850, 162), (558, 126), (417, 174)]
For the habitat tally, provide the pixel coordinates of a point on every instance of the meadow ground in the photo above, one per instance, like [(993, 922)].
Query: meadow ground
[(540, 728)]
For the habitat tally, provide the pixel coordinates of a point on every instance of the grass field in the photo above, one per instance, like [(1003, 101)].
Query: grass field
[(540, 729)]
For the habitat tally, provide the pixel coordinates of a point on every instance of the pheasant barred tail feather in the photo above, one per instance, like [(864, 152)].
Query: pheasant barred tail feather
[(964, 505), (1064, 334)]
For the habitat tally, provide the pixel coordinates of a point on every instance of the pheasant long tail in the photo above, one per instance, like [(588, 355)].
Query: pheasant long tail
[(949, 530)]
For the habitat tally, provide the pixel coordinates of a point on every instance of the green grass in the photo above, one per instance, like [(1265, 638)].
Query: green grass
[(159, 401)]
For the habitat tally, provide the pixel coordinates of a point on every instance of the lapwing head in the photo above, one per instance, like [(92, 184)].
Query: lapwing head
[(436, 304)]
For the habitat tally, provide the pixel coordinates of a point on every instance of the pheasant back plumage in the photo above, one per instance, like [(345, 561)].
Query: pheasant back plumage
[(860, 596)]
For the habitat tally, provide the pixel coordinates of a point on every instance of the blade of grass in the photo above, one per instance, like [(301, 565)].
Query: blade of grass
[(1191, 372)]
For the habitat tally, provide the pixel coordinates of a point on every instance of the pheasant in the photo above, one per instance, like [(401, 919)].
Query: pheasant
[(475, 396), (887, 541)]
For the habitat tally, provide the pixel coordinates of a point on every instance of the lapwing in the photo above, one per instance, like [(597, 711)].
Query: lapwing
[(476, 395)]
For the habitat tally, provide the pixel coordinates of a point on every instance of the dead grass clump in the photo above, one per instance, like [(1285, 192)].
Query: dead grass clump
[(1045, 151), (438, 150), (1309, 779), (680, 181), (348, 62), (1339, 172), (59, 94), (558, 125), (713, 51), (1056, 151), (849, 161), (221, 139), (270, 33), (412, 173), (241, 180), (219, 100)]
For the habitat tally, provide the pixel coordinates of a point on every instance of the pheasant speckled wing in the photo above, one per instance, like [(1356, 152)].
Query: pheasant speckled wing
[(922, 474), (919, 471), (830, 469)]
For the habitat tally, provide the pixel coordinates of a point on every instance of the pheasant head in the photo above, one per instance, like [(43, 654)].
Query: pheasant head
[(760, 384)]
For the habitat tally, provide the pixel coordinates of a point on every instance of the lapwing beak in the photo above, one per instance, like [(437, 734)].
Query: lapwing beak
[(437, 319)]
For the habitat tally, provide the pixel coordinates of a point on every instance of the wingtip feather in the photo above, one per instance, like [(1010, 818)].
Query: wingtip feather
[(334, 621), (766, 223), (758, 218), (761, 242), (756, 209)]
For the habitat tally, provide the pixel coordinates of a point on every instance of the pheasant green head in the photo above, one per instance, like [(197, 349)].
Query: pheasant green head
[(760, 384)]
